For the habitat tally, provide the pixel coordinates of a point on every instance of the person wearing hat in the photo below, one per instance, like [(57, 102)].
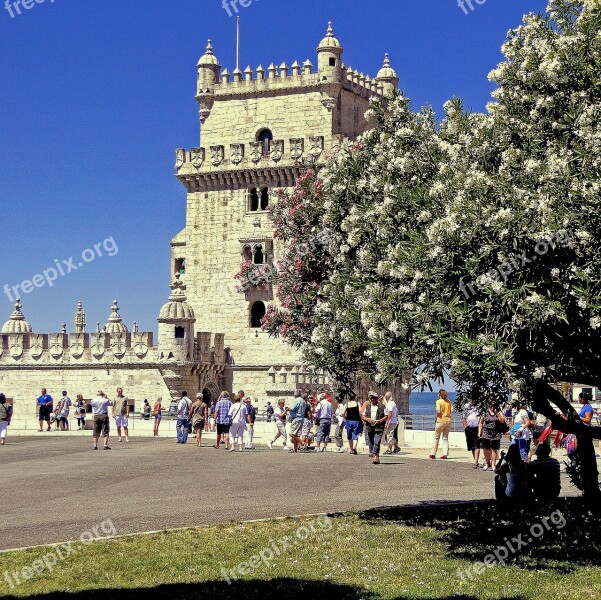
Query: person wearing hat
[(6, 413), (197, 416), (251, 417), (374, 417), (280, 424)]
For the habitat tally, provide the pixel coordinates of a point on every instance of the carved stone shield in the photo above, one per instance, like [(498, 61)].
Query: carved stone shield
[(140, 348), (180, 158), (217, 155), (56, 346), (36, 345), (256, 151), (277, 150), (98, 346), (316, 146), (236, 153), (297, 147), (77, 347), (16, 346), (118, 345), (197, 156)]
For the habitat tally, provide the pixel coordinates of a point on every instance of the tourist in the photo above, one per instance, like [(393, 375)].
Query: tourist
[(237, 414), (375, 419), (100, 413), (55, 415), (296, 415), (307, 421), (279, 415), (181, 426), (323, 418), (444, 409), (157, 413), (490, 433), (146, 410), (354, 424), (391, 410), (45, 404), (269, 411), (512, 475), (544, 475), (212, 415), (340, 421), (251, 417), (121, 414), (6, 414), (198, 417), (62, 414), (586, 412), (222, 419), (471, 427), (521, 430), (80, 412)]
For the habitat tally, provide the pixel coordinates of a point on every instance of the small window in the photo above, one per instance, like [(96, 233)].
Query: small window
[(259, 257), (253, 202), (332, 62), (264, 199), (180, 333), (265, 137), (257, 312), (180, 266), (170, 356)]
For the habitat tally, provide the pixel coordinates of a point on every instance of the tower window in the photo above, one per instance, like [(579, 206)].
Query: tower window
[(180, 266), (257, 312), (264, 199), (265, 137), (180, 333), (332, 62), (254, 200), (259, 257)]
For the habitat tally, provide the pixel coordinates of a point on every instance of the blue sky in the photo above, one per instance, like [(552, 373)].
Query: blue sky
[(96, 95)]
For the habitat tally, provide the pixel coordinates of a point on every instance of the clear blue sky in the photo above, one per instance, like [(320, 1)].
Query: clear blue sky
[(97, 94)]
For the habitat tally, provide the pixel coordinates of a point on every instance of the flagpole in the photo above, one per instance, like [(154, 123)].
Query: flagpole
[(238, 43)]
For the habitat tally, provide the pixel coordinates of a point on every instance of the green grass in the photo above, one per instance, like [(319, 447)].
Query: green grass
[(352, 558)]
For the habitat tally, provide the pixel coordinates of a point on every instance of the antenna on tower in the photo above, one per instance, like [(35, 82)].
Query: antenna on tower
[(238, 42)]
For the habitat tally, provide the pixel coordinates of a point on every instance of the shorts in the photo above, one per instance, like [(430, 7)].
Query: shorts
[(121, 421), (353, 430), (389, 433), (306, 427), (158, 417), (102, 425), (471, 438), (222, 429), (487, 444), (45, 413), (323, 431), (296, 427)]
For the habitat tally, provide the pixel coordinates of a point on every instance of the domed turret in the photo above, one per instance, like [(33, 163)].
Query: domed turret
[(387, 77), (176, 325), (329, 57), (115, 323), (208, 76), (17, 322)]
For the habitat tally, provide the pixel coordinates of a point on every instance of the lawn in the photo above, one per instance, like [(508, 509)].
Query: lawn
[(413, 552)]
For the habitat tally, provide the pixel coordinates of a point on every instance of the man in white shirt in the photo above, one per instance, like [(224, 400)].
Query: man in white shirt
[(280, 423), (391, 411), (340, 419), (100, 413), (323, 416), (183, 409), (121, 414)]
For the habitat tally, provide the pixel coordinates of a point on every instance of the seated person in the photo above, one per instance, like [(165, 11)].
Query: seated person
[(511, 476), (544, 475)]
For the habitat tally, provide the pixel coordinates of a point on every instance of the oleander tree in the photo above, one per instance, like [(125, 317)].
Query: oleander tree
[(499, 277)]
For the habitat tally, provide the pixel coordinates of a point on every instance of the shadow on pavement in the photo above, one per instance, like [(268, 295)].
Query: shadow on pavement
[(558, 537), (248, 590)]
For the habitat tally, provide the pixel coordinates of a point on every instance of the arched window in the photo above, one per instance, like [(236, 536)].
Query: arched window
[(264, 198), (259, 257), (253, 202), (265, 137), (247, 253), (257, 312)]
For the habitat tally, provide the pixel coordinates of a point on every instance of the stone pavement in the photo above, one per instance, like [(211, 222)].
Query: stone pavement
[(56, 488)]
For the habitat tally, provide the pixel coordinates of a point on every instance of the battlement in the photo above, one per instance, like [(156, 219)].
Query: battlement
[(260, 81), (213, 163)]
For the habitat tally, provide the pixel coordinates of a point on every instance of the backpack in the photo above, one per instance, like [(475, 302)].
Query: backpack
[(270, 410)]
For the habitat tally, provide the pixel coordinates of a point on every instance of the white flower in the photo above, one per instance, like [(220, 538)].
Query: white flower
[(539, 372)]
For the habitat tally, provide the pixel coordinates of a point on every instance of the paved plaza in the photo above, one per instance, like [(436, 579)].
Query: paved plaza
[(54, 488)]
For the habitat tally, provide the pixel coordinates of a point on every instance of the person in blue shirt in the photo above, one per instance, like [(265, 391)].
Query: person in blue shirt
[(586, 412), (45, 404)]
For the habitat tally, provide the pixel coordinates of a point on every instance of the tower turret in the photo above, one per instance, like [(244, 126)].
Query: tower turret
[(176, 326), (115, 323), (388, 78), (208, 76), (80, 319), (17, 322), (329, 57)]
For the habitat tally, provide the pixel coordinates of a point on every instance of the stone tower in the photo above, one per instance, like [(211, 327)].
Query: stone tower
[(254, 131)]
